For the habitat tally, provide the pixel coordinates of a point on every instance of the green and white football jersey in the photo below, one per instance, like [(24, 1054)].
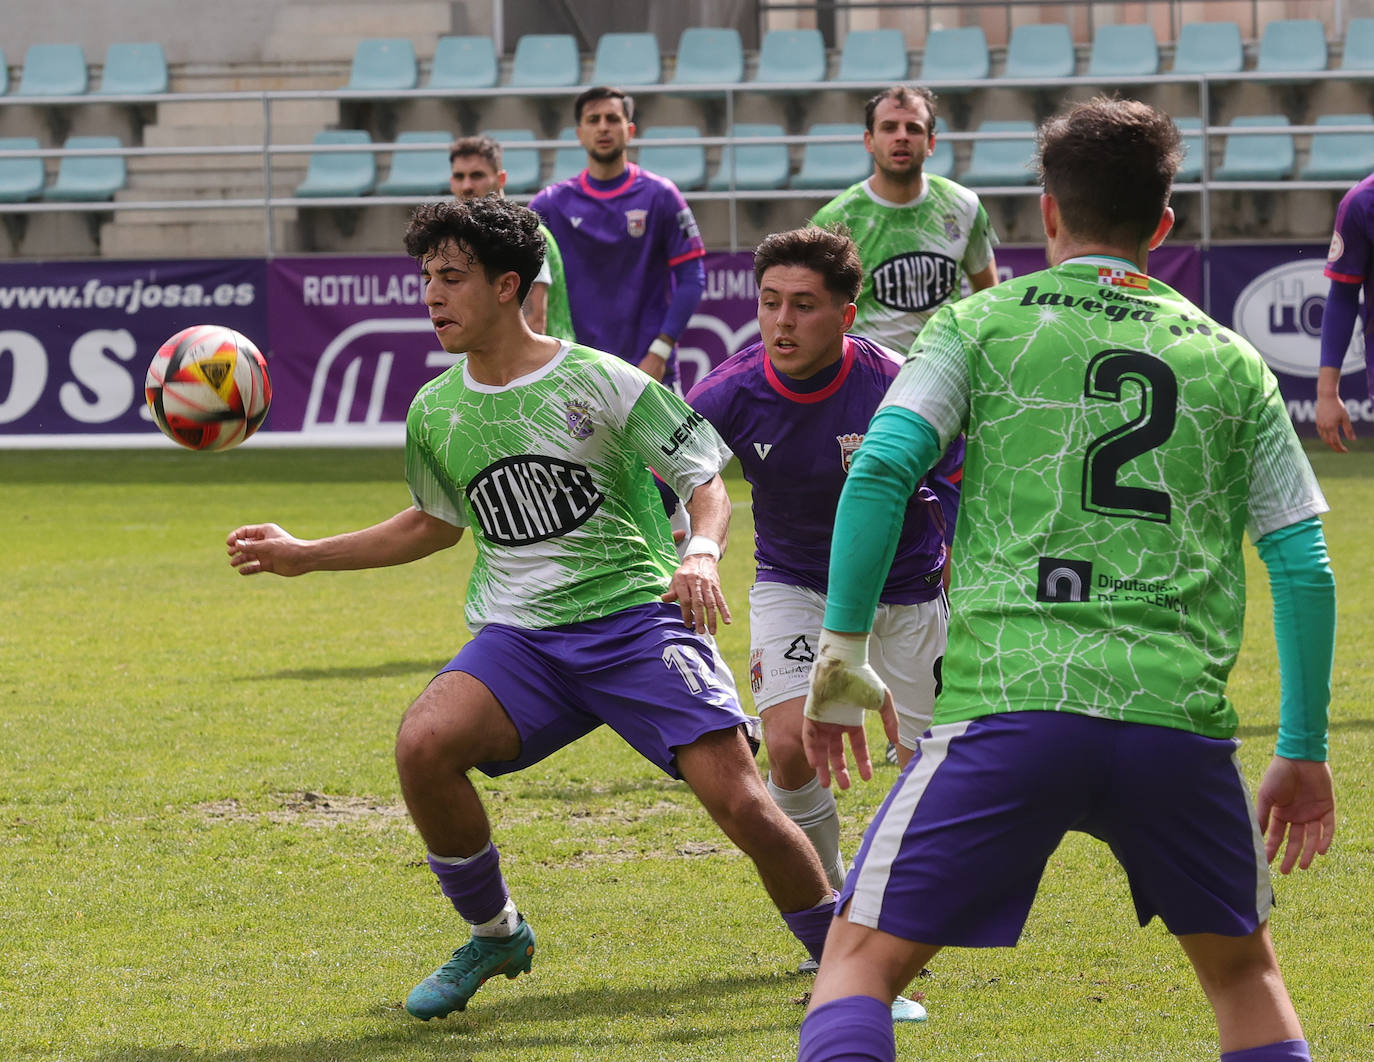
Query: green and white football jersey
[(1119, 445), (915, 255), (551, 473)]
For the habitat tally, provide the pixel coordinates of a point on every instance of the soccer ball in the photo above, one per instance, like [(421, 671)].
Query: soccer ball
[(208, 388)]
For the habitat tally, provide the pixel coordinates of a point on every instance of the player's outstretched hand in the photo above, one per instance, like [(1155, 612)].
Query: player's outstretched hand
[(1296, 798), (843, 686), (258, 548), (696, 588), (1333, 422), (824, 745)]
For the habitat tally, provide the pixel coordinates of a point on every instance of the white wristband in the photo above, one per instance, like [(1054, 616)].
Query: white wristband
[(661, 347), (702, 544)]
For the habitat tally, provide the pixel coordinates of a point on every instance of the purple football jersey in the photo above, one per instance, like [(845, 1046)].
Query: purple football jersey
[(1351, 258), (619, 243), (794, 440)]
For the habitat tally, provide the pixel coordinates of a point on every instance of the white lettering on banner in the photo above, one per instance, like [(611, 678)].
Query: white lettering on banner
[(362, 289), (96, 294), (730, 284), (1280, 312), (28, 374), (335, 352), (1304, 410), (98, 375)]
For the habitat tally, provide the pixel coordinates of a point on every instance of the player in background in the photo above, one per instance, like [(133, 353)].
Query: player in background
[(475, 169), (580, 610), (794, 407), (1120, 444), (629, 241), (919, 235), (1350, 266)]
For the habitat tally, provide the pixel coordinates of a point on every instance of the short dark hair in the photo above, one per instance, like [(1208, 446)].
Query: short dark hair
[(1110, 163), (604, 92), (906, 95), (828, 251), (482, 145), (501, 236)]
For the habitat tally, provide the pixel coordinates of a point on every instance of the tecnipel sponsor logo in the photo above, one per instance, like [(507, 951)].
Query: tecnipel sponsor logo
[(915, 282), (529, 498)]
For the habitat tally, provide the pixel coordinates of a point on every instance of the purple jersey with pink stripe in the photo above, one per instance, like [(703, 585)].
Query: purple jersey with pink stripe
[(619, 244), (1351, 257), (794, 440)]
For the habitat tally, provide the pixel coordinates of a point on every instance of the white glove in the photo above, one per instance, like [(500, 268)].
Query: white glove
[(843, 685)]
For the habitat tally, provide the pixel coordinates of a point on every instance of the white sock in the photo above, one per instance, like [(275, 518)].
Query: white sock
[(812, 807), (503, 925)]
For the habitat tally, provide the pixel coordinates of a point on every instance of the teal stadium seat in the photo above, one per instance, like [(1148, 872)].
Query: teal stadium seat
[(959, 54), (339, 173), (1341, 156), (873, 55), (941, 161), (134, 68), (546, 60), (1292, 46), (627, 59), (791, 55), (521, 164), (709, 55), (54, 70), (1261, 157), (463, 63), (1190, 169), (1124, 50), (4, 74), (834, 165), (1040, 50), (683, 164), (20, 179), (1002, 162), (568, 161), (419, 172), (1209, 48), (758, 167), (383, 64), (1358, 51), (89, 178)]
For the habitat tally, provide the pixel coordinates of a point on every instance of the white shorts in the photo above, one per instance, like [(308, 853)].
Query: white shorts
[(906, 648)]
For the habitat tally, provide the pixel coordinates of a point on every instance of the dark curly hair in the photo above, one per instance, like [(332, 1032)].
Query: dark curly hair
[(828, 251), (501, 236)]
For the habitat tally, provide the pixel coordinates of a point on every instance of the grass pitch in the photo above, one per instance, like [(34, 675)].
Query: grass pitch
[(204, 858)]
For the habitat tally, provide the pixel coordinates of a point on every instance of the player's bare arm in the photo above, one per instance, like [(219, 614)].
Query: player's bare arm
[(985, 277), (405, 537), (696, 583), (1296, 802)]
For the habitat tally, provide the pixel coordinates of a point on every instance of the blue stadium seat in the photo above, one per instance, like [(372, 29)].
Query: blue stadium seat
[(1040, 50), (873, 55), (1262, 157), (134, 68), (54, 70), (757, 166), (1124, 50), (339, 173), (383, 64), (684, 165), (1341, 156), (4, 74), (941, 161), (546, 60), (1358, 50), (709, 55), (463, 63), (568, 161), (1002, 162), (627, 59), (1292, 45), (521, 164), (20, 179), (89, 178), (1209, 48), (1190, 169), (791, 55), (956, 55), (419, 172), (835, 165)]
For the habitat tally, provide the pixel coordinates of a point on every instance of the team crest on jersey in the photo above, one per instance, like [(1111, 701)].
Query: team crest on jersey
[(848, 444), (952, 230), (756, 670), (579, 416), (637, 222), (1116, 277), (1337, 247)]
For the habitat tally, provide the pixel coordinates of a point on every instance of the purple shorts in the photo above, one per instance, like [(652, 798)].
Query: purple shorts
[(955, 854), (641, 671)]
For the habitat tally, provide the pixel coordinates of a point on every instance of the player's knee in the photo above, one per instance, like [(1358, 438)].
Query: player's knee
[(429, 741)]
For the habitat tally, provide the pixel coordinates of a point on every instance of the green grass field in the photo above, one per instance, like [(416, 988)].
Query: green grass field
[(204, 858)]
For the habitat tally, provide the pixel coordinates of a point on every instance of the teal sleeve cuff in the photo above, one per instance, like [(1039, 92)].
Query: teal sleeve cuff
[(1304, 592), (898, 449)]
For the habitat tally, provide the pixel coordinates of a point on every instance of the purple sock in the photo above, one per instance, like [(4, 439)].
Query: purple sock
[(1283, 1051), (476, 887), (811, 926), (851, 1028)]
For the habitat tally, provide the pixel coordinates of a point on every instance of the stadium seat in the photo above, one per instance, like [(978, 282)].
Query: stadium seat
[(383, 64), (4, 74), (1002, 162), (941, 161), (684, 164), (1262, 157), (627, 59), (20, 179), (463, 63), (88, 178), (339, 173), (956, 55), (1209, 48), (134, 68), (834, 165), (1124, 50), (1341, 156), (1040, 50), (757, 166), (1358, 50), (546, 60), (791, 55), (521, 164), (568, 161), (1292, 45), (54, 70), (873, 55), (709, 55), (418, 172), (1190, 169)]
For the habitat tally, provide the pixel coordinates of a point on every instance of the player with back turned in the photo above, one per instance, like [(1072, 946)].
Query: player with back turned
[(1120, 446)]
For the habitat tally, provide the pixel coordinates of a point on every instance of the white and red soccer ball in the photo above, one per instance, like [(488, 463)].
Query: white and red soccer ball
[(208, 387)]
